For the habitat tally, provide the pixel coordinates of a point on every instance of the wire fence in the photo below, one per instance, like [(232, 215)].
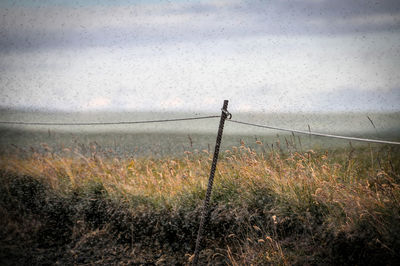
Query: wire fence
[(108, 123), (201, 118), (316, 133)]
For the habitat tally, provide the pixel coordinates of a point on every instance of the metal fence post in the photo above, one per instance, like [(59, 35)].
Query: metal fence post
[(203, 221)]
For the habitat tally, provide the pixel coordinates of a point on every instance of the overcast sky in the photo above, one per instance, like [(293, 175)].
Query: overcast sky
[(290, 56)]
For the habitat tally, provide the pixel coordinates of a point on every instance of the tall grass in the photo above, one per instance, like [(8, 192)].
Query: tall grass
[(296, 207)]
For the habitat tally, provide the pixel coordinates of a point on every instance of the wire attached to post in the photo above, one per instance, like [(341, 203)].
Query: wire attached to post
[(106, 123), (318, 134), (228, 115)]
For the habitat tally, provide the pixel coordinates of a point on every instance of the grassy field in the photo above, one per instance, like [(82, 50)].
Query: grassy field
[(269, 206)]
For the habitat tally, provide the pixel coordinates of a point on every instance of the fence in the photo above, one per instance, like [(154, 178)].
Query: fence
[(225, 116), (229, 116)]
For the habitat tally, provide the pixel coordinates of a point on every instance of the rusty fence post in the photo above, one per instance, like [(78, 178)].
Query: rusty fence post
[(224, 115)]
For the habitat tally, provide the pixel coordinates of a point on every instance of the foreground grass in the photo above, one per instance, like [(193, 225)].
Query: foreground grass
[(341, 207)]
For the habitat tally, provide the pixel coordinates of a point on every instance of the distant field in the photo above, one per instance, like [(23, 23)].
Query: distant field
[(174, 138), (155, 144)]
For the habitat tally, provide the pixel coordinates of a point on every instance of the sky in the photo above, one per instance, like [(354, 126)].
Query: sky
[(264, 56)]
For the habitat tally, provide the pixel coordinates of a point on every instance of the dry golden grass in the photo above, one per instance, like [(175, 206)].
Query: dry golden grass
[(341, 189)]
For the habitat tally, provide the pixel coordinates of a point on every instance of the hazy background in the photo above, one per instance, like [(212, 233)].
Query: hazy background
[(302, 55), (281, 63)]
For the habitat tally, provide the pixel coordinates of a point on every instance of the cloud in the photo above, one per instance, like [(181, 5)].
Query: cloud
[(98, 103), (66, 26), (191, 55), (171, 103), (280, 74)]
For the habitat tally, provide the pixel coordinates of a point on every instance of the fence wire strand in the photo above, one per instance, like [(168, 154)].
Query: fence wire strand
[(316, 133), (107, 123), (197, 118)]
